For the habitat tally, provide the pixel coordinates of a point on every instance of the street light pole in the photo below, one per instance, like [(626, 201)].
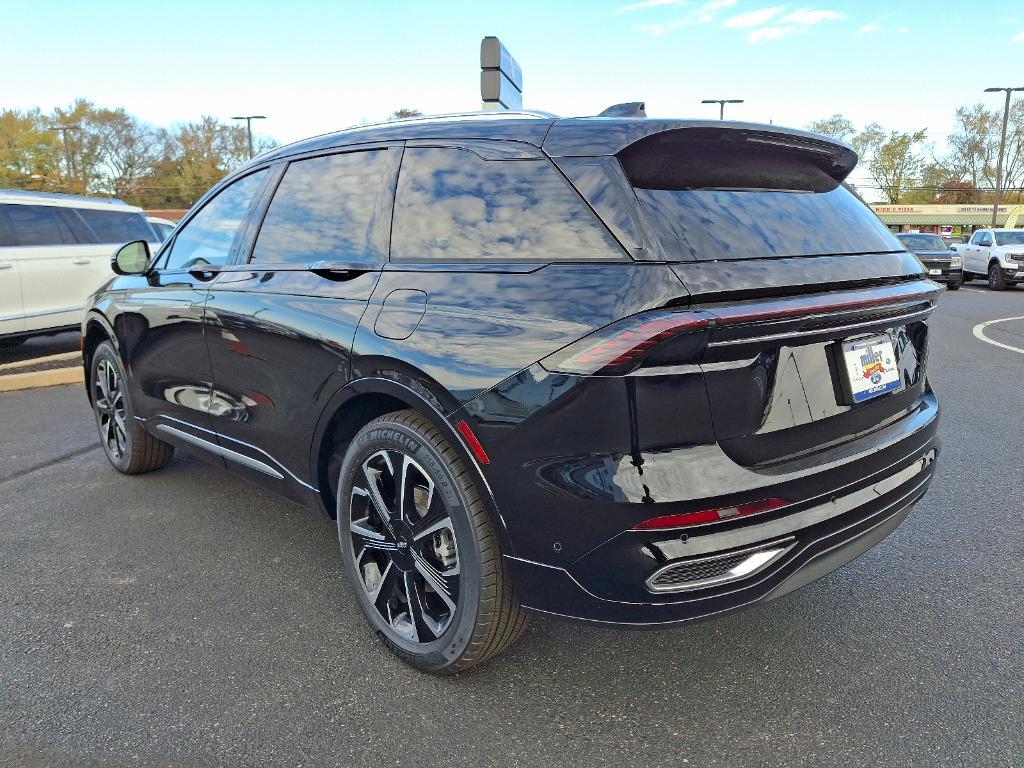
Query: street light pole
[(67, 152), (1002, 145), (248, 127), (721, 105)]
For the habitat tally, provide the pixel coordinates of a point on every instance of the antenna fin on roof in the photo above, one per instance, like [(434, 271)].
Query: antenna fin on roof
[(627, 109)]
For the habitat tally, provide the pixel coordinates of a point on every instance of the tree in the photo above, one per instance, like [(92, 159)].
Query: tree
[(836, 127), (974, 144), (28, 153), (957, 192), (893, 159), (403, 112), (129, 148)]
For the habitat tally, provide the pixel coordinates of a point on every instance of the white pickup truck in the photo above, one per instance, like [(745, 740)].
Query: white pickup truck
[(994, 254)]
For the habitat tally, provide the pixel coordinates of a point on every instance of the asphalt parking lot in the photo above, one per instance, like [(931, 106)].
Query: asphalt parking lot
[(185, 618)]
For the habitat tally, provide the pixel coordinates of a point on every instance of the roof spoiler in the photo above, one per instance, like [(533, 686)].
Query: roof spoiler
[(626, 109), (585, 137)]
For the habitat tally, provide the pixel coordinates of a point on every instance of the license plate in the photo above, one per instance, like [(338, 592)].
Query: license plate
[(934, 271), (871, 367)]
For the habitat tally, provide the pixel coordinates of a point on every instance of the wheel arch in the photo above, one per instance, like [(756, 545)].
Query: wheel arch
[(95, 330), (359, 403)]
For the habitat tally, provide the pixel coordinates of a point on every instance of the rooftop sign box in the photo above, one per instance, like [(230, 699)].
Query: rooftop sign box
[(501, 79)]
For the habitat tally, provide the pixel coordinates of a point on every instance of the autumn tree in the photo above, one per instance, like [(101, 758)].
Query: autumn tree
[(28, 152), (836, 127), (404, 112), (893, 159)]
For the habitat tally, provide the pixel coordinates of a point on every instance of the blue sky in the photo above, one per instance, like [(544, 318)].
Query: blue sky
[(312, 67)]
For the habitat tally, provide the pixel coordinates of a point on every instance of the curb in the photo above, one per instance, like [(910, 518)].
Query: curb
[(4, 367), (34, 379)]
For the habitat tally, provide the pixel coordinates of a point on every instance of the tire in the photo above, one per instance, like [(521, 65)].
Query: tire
[(129, 448), (427, 574), (996, 279), (954, 285)]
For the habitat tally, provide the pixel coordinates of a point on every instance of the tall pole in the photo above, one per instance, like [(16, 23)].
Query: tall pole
[(1002, 147), (721, 105), (248, 127)]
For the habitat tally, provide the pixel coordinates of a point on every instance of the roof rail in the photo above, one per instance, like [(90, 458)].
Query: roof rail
[(492, 114), (31, 193)]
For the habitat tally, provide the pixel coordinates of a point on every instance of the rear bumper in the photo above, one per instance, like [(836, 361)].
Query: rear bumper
[(607, 586), (554, 591)]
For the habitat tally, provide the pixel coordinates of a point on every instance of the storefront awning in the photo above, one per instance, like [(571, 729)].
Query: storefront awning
[(943, 219)]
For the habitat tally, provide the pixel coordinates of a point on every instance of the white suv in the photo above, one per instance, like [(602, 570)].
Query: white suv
[(54, 253), (996, 255)]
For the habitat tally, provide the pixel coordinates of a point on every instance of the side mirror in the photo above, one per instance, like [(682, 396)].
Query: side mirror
[(131, 258)]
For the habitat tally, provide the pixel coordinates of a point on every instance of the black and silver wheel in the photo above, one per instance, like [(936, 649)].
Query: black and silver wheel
[(419, 548), (127, 445), (996, 279)]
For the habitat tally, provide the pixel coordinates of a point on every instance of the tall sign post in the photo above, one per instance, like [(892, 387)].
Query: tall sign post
[(501, 79)]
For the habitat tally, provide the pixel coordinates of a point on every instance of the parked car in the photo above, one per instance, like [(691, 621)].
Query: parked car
[(592, 368), (995, 254), (54, 252), (943, 265), (162, 227)]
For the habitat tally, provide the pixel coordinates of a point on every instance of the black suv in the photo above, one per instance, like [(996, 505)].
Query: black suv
[(621, 370)]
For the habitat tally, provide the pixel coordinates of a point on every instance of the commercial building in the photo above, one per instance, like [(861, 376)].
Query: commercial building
[(950, 221)]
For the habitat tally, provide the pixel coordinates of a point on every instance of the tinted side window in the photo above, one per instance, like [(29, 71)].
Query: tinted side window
[(324, 210), (6, 230), (208, 236), (453, 204), (117, 226), (38, 225), (976, 239)]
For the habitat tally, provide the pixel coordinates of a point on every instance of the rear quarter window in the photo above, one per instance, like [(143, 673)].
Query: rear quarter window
[(452, 204)]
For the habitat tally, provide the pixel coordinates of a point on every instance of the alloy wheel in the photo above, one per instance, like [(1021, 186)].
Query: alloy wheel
[(404, 546), (108, 400)]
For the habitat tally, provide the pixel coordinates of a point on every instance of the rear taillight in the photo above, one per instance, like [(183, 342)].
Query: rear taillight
[(620, 347), (666, 522)]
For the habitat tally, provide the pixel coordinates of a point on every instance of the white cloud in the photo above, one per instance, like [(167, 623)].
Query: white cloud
[(768, 33), (753, 18), (648, 4), (867, 29), (807, 16), (1018, 38), (657, 30), (903, 30), (701, 15)]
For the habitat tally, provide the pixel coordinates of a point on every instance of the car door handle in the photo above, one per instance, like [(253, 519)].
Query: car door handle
[(341, 270), (80, 260), (6, 265)]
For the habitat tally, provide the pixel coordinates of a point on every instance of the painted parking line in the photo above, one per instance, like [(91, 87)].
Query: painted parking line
[(979, 332)]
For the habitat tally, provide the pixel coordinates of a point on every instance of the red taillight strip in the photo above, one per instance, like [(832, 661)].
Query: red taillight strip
[(782, 309), (474, 444), (668, 522), (618, 348)]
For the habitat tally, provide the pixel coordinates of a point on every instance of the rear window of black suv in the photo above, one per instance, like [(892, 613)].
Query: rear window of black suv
[(452, 205), (706, 200)]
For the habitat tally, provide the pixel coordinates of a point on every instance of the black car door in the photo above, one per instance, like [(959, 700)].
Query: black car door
[(159, 318), (280, 322)]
